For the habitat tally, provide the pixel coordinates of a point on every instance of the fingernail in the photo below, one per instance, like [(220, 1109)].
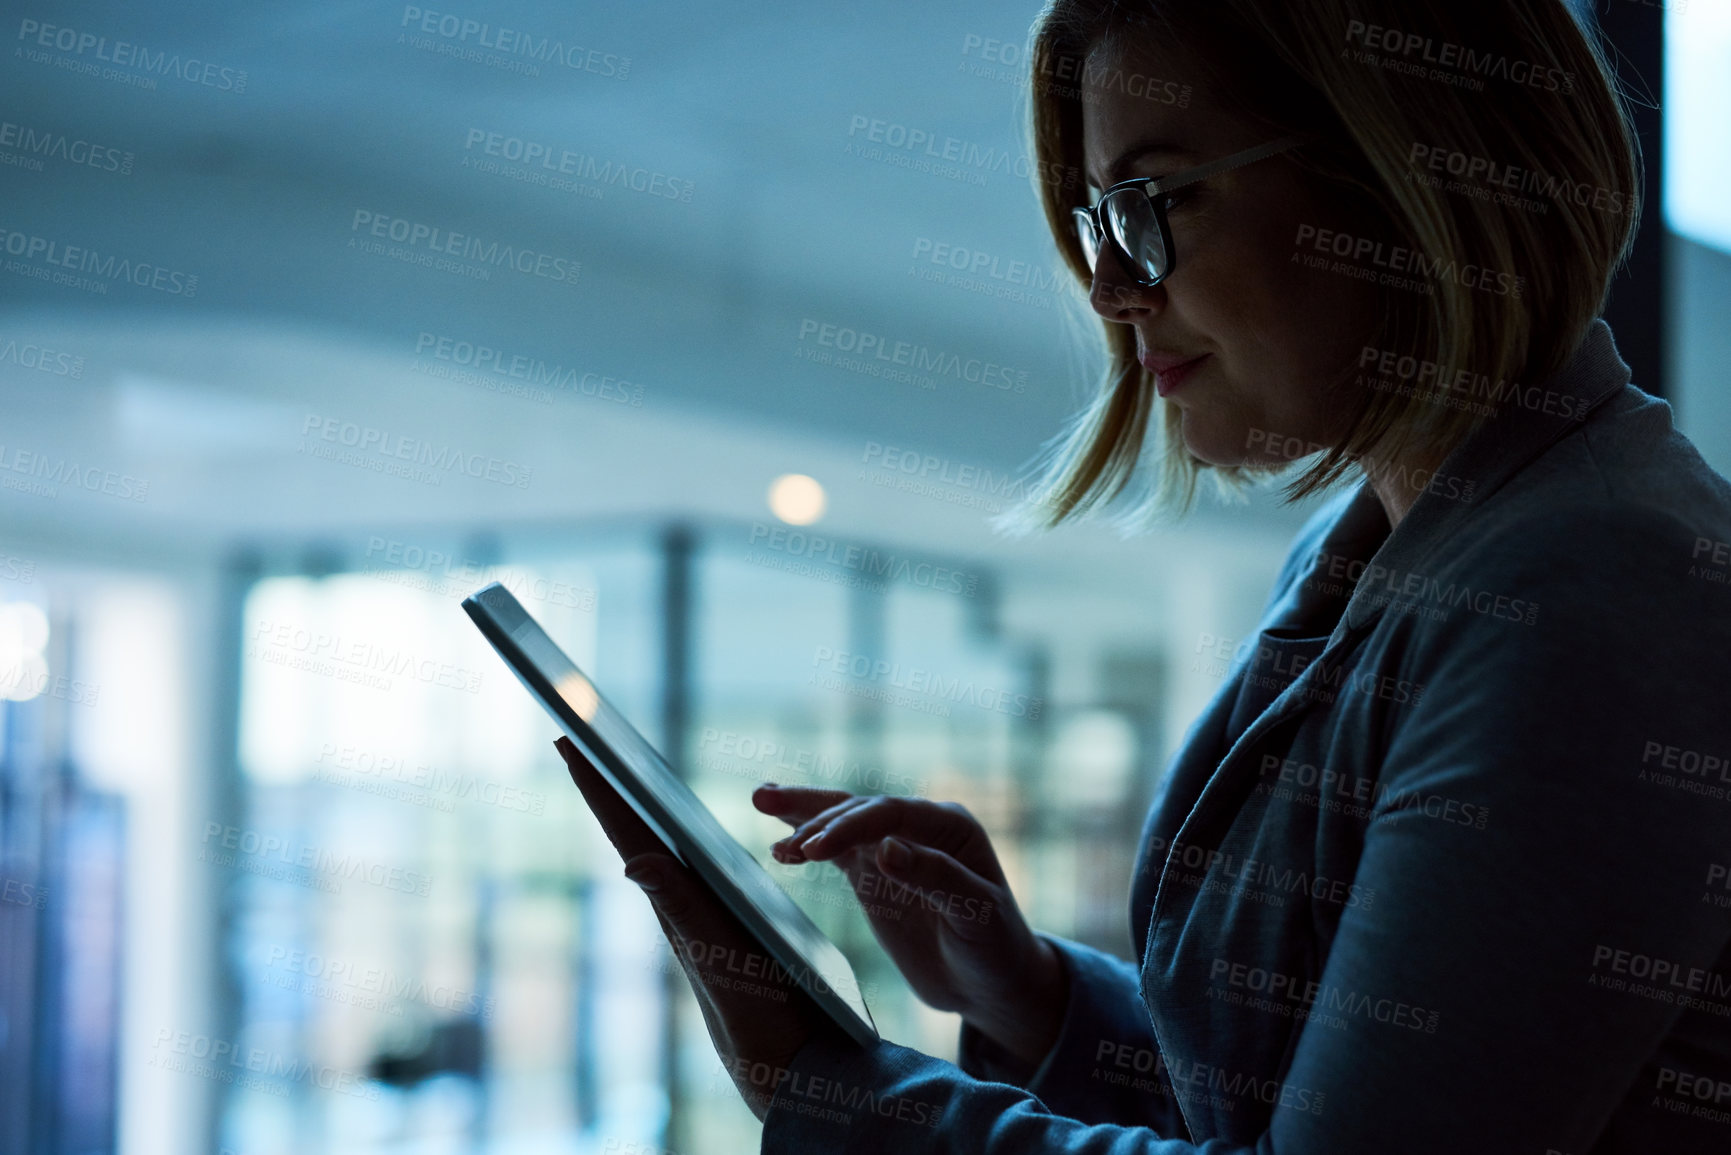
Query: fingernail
[(896, 852)]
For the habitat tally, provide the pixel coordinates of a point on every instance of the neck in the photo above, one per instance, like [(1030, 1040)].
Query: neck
[(1398, 484)]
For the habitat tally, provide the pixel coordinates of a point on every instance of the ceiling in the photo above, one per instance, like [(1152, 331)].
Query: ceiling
[(706, 309)]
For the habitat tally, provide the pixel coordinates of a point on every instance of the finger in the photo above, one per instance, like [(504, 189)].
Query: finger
[(714, 1021), (628, 833), (681, 953), (939, 884), (879, 817), (795, 804), (790, 847), (686, 907), (709, 941)]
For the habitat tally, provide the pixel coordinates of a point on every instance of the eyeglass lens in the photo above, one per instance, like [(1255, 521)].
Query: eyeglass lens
[(1128, 215), (1085, 234), (1130, 218)]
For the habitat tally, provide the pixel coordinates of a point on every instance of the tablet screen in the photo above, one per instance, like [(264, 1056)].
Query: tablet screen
[(688, 828)]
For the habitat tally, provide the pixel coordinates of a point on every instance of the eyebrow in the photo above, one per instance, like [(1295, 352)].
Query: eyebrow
[(1114, 171)]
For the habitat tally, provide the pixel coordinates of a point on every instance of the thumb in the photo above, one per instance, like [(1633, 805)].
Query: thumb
[(938, 883)]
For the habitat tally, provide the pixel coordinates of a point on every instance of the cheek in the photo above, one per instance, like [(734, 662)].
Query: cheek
[(1241, 286), (1294, 326), (1282, 329), (1324, 310), (1255, 311)]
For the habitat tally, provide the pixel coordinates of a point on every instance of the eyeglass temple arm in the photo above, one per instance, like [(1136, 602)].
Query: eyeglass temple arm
[(1224, 164)]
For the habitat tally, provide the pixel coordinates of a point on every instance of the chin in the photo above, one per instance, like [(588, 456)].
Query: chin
[(1215, 443)]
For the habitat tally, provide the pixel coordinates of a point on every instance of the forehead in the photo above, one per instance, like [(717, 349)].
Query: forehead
[(1138, 92)]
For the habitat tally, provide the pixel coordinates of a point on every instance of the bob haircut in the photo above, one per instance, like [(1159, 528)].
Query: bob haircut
[(1380, 86)]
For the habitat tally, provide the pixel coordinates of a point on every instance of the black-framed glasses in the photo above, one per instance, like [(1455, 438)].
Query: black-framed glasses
[(1132, 214)]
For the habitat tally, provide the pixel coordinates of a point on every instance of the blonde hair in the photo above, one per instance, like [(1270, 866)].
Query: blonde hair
[(1289, 65)]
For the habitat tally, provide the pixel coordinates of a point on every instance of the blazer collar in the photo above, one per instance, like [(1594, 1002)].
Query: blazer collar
[(1488, 457), (1533, 419)]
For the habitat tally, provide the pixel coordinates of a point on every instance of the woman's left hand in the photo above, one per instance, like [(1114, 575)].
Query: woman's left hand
[(756, 1021)]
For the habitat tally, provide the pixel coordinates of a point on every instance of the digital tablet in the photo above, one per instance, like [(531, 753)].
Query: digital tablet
[(681, 820)]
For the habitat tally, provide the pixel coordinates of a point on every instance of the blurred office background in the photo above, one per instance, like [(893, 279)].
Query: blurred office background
[(288, 861)]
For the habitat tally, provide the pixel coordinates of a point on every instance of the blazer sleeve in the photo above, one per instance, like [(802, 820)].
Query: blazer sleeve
[(1484, 1001), (1105, 1010)]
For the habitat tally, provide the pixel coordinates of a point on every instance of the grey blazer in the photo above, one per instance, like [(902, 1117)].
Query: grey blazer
[(1445, 866)]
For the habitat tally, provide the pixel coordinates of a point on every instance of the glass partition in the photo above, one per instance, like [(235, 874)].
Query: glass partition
[(431, 945)]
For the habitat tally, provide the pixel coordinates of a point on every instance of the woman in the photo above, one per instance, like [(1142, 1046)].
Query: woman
[(1443, 866)]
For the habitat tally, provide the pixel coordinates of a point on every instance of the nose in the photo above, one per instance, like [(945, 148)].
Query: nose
[(1116, 296)]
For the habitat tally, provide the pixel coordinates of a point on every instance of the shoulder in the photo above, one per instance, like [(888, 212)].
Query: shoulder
[(1580, 635), (1558, 648), (1601, 570), (1572, 544), (1621, 511)]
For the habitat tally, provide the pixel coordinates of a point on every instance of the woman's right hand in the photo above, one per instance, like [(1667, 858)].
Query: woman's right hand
[(937, 900)]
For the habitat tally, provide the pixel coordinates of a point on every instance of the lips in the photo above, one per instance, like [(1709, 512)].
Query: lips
[(1170, 370)]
